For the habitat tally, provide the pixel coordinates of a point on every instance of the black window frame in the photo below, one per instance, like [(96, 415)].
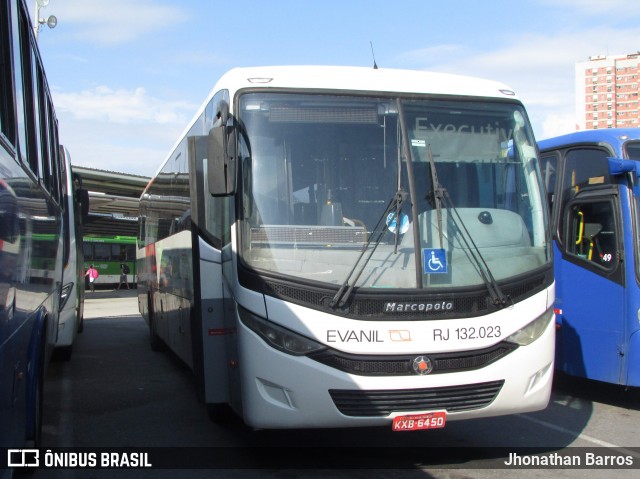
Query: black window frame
[(606, 194)]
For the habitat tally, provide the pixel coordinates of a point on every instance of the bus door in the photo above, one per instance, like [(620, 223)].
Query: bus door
[(214, 327), (590, 298)]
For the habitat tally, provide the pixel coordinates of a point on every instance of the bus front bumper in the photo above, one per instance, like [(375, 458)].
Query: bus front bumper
[(282, 391)]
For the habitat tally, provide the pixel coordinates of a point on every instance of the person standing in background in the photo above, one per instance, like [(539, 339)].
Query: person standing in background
[(124, 271), (93, 274)]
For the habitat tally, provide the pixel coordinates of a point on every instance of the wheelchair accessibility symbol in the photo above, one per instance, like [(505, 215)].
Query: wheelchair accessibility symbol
[(435, 260)]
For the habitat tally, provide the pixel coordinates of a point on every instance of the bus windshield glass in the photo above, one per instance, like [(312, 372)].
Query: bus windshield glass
[(410, 192)]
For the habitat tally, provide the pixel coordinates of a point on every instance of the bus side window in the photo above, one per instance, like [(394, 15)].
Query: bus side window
[(87, 251), (592, 234), (549, 167)]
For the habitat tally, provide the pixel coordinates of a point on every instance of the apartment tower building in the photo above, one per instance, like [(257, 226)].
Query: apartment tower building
[(607, 92)]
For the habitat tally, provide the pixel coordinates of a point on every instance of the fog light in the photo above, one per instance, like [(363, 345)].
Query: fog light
[(538, 377)]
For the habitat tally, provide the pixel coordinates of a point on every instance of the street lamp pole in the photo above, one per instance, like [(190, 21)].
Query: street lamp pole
[(51, 20)]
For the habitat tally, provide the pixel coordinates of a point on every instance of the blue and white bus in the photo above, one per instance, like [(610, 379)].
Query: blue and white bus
[(31, 203), (593, 192), (341, 247)]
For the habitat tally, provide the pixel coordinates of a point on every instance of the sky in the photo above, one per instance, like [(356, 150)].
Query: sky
[(127, 76)]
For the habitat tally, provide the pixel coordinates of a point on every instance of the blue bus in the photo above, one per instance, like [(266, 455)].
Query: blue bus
[(31, 204), (593, 194)]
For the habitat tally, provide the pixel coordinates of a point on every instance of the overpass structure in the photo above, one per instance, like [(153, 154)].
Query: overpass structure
[(113, 201)]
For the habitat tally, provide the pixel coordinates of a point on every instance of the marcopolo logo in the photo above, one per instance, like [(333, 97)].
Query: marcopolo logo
[(417, 307)]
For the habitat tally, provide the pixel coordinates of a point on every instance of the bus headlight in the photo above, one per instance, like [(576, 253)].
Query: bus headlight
[(278, 337), (533, 330)]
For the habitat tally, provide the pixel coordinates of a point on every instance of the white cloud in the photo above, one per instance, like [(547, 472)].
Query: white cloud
[(614, 8), (436, 54), (540, 68), (114, 21), (120, 130), (122, 106), (134, 149), (554, 124)]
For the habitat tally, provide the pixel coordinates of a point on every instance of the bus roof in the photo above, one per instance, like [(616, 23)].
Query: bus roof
[(611, 136), (342, 78)]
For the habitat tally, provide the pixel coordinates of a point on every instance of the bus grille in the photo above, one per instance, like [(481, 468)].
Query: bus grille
[(380, 403), (402, 365)]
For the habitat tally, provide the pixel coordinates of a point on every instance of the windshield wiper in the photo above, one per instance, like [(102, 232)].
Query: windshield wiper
[(440, 195), (437, 194), (395, 205)]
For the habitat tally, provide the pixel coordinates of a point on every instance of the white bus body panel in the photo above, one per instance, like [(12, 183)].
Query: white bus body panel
[(285, 391), (70, 315), (404, 337), (214, 329)]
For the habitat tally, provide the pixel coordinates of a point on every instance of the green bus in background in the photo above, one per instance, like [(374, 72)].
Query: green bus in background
[(106, 253)]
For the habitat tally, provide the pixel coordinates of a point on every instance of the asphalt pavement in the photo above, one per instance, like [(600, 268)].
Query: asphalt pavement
[(116, 392), (109, 302)]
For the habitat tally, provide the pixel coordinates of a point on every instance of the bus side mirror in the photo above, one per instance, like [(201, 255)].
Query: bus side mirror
[(83, 200), (620, 166), (221, 162), (81, 196)]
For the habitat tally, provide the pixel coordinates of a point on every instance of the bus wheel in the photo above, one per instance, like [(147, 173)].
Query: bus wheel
[(80, 313), (34, 436), (221, 414), (63, 353), (154, 339)]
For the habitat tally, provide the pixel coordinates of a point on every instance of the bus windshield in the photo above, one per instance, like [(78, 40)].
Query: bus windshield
[(410, 192)]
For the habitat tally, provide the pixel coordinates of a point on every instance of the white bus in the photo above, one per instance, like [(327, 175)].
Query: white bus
[(339, 247), (72, 293)]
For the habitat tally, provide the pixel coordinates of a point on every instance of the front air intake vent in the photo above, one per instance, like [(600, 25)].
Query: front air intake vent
[(380, 403)]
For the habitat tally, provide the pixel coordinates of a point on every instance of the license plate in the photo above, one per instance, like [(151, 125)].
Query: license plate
[(431, 420)]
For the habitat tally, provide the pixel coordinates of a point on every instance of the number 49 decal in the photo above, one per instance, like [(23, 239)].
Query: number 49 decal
[(606, 257)]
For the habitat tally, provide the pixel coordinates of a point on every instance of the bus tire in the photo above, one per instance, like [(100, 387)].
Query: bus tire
[(34, 436), (154, 339), (63, 353), (221, 414), (80, 313)]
